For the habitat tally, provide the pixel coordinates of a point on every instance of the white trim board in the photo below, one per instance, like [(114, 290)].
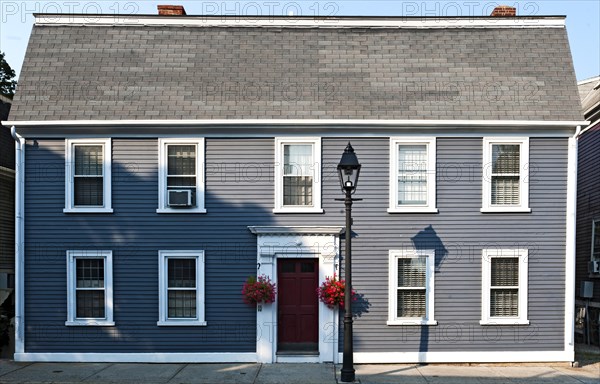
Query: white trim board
[(461, 357), (224, 357), (301, 22), (306, 122), (570, 255)]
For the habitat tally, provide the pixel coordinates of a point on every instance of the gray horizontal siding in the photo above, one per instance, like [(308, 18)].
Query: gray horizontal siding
[(588, 205), (239, 184), (7, 221)]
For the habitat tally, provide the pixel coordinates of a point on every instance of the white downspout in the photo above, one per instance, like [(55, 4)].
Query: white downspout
[(19, 243), (570, 246)]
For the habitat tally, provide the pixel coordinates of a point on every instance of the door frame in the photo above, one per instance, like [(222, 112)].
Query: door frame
[(275, 243)]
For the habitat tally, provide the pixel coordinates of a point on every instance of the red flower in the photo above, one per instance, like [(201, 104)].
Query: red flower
[(261, 290), (331, 292)]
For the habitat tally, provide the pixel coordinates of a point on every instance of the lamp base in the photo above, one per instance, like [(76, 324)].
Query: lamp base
[(348, 376)]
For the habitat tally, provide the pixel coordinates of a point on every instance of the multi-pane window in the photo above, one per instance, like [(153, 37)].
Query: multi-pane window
[(89, 275), (412, 175), (181, 176), (181, 288), (504, 282), (297, 170), (181, 297), (88, 172), (505, 175), (181, 169), (596, 240), (298, 177), (411, 290)]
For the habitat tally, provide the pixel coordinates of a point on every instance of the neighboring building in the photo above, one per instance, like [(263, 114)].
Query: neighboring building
[(7, 230), (588, 206), (183, 154), (7, 203)]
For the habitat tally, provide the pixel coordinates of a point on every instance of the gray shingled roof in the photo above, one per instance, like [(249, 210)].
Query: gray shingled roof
[(150, 72), (589, 92)]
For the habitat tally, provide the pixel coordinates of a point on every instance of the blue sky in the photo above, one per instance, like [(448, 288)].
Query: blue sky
[(583, 17)]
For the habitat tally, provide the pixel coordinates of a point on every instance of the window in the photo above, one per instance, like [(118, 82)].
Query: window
[(181, 176), (181, 285), (505, 175), (89, 288), (297, 175), (88, 176), (412, 175), (411, 287), (596, 240), (504, 287)]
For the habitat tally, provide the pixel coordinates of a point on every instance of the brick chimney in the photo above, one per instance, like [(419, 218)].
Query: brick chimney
[(504, 11), (171, 10)]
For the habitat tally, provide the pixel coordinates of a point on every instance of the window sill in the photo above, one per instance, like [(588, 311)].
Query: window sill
[(181, 323), (505, 210), (507, 321), (90, 323), (181, 210), (88, 210), (413, 210), (412, 322), (298, 210)]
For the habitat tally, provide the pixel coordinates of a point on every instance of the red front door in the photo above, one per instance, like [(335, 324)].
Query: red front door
[(298, 306)]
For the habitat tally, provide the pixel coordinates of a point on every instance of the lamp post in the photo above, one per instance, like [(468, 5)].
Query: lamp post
[(348, 169)]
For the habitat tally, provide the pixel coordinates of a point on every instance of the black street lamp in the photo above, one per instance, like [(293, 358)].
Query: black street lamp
[(348, 169)]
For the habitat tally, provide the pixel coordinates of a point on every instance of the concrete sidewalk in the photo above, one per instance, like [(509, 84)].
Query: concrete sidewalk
[(105, 373)]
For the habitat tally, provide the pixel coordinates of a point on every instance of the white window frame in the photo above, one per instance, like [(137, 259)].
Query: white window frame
[(162, 175), (486, 276), (594, 234), (430, 143), (393, 319), (70, 174), (163, 319), (279, 163), (523, 205), (71, 288)]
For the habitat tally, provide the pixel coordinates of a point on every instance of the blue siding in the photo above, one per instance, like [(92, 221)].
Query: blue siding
[(239, 184)]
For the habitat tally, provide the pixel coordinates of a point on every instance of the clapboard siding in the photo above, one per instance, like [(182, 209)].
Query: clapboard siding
[(588, 204), (239, 193), (7, 221)]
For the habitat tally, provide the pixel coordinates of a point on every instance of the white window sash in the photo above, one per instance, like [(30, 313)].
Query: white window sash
[(163, 294), (279, 174), (430, 175), (486, 192), (70, 176), (72, 319), (163, 175), (394, 256), (486, 287)]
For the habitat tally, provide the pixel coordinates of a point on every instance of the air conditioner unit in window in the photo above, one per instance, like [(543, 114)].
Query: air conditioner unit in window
[(594, 266), (179, 198)]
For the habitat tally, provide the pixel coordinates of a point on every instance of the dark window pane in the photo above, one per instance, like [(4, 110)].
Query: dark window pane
[(181, 160), (505, 271), (504, 302), (182, 304), (288, 267), (505, 158), (596, 241), (89, 191), (411, 303), (297, 190), (307, 267), (88, 160), (412, 272), (90, 304), (90, 273), (182, 273)]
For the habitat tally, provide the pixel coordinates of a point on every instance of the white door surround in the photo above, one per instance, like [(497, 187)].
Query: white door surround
[(296, 242)]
